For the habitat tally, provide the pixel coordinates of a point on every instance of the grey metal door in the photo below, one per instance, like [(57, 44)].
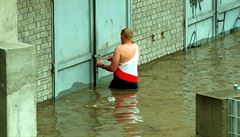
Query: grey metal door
[(199, 20), (205, 19), (228, 15), (111, 17), (75, 26), (73, 51)]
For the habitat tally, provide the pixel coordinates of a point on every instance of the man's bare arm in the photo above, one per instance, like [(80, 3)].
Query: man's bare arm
[(115, 61)]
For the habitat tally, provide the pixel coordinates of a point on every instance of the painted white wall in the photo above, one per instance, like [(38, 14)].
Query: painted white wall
[(8, 20)]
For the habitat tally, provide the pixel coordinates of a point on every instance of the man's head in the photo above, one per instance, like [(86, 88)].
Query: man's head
[(126, 35)]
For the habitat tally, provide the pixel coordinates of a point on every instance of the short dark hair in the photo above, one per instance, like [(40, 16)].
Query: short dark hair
[(127, 33)]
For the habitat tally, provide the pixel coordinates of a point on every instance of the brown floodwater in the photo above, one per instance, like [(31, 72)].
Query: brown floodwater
[(164, 106)]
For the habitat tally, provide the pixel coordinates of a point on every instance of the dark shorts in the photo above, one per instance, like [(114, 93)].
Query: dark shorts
[(118, 83)]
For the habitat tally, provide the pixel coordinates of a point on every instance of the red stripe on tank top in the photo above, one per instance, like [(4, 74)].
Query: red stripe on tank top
[(125, 76)]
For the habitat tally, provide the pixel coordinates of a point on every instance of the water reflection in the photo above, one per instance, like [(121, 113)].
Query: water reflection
[(126, 112), (116, 114), (46, 120), (90, 113)]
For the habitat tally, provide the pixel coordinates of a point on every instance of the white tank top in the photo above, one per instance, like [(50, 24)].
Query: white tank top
[(128, 70)]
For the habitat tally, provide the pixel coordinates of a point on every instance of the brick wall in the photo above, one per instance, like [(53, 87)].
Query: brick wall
[(162, 19), (34, 27)]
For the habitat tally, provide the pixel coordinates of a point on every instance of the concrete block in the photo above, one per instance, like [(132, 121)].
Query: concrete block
[(17, 90), (212, 111)]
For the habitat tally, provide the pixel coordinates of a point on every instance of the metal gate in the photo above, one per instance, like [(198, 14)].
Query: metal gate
[(81, 29), (234, 117), (228, 15), (111, 17), (73, 51), (205, 19), (199, 20)]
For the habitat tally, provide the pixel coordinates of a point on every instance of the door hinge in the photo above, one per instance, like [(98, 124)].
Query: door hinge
[(53, 69), (184, 24)]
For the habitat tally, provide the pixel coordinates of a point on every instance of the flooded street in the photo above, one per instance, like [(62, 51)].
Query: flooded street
[(164, 106)]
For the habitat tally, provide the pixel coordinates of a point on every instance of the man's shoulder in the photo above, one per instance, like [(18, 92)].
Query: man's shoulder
[(119, 47)]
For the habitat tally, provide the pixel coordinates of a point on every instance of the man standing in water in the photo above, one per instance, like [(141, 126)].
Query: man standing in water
[(124, 63)]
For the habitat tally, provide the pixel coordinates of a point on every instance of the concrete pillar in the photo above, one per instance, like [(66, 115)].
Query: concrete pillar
[(8, 20), (17, 90), (212, 113)]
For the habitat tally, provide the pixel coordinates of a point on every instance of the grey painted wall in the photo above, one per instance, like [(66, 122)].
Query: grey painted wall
[(8, 20)]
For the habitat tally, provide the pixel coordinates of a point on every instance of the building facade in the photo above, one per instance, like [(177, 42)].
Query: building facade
[(158, 29)]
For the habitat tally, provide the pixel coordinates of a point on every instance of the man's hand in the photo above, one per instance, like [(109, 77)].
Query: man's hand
[(99, 64), (109, 58)]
